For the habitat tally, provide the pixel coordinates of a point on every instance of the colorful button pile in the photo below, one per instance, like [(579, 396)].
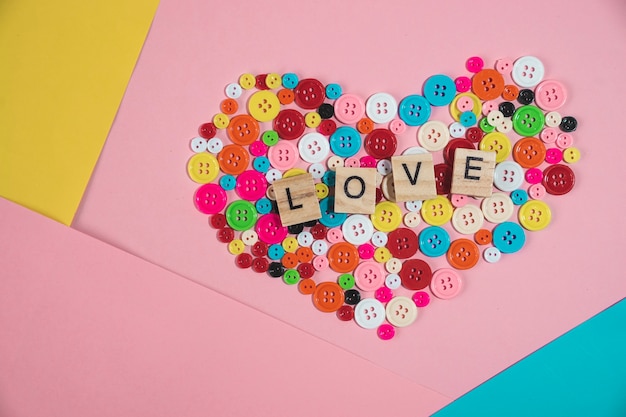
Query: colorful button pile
[(380, 265)]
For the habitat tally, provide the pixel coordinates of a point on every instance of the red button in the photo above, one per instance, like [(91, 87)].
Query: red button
[(259, 249), (402, 243), (319, 231), (415, 274), (381, 143), (310, 94), (453, 145), (345, 313), (443, 178), (207, 130), (260, 264), (218, 221), (260, 82), (558, 179), (306, 270), (243, 260), (327, 127), (289, 124), (226, 235), (474, 134)]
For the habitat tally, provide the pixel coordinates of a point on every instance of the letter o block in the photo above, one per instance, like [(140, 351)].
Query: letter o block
[(355, 190)]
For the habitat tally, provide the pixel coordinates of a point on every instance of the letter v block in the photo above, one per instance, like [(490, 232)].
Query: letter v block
[(472, 173), (414, 177), (355, 190), (296, 199)]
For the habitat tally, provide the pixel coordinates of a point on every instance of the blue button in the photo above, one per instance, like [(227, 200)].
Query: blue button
[(263, 206), (333, 91), (228, 182), (439, 90), (467, 119), (329, 178), (261, 164), (290, 80), (414, 110), (329, 217), (434, 241), (519, 197), (275, 252), (345, 142), (509, 237)]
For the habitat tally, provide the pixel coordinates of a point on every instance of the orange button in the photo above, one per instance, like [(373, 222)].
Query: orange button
[(304, 254), (510, 92), (243, 129), (529, 152), (463, 254), (343, 257), (286, 96), (328, 297), (289, 260), (306, 286), (365, 125), (229, 106), (488, 84), (483, 237), (233, 159)]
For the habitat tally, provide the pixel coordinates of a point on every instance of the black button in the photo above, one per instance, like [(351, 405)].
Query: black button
[(568, 124), (526, 96), (310, 223), (326, 111), (507, 108), (276, 270), (352, 297), (295, 228)]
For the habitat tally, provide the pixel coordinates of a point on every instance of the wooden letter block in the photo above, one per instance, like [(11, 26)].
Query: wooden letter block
[(296, 199), (414, 177), (472, 173), (355, 190)]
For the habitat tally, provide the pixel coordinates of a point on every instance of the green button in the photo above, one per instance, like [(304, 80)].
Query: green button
[(528, 120), (270, 138), (485, 126), (291, 276), (241, 215), (346, 281)]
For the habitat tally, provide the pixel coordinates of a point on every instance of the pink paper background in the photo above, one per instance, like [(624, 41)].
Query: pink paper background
[(140, 198)]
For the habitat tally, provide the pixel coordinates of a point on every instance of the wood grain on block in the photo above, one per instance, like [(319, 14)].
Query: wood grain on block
[(414, 177), (355, 190), (296, 199), (473, 172)]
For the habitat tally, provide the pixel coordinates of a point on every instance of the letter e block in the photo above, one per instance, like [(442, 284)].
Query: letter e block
[(355, 190), (472, 173), (296, 199), (414, 177)]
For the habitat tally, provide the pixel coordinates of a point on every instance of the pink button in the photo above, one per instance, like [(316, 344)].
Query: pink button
[(369, 275), (386, 331), (334, 235), (383, 294), (210, 199), (446, 283), (533, 176), (537, 191), (421, 298), (458, 200), (489, 106), (366, 251), (463, 84), (349, 108), (548, 135), (464, 104), (474, 64), (269, 228), (368, 161), (251, 185), (258, 148), (550, 95), (320, 262), (352, 162), (554, 156), (397, 126), (283, 155), (504, 65), (564, 140)]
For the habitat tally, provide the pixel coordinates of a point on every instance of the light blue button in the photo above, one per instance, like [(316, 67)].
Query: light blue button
[(228, 182), (333, 91), (434, 241), (275, 252), (290, 80), (263, 205), (509, 237), (467, 119), (261, 164), (345, 141), (439, 90), (329, 217), (414, 110), (519, 197)]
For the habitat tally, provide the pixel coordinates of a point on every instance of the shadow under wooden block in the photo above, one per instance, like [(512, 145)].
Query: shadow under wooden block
[(355, 190), (296, 199), (414, 177), (473, 172)]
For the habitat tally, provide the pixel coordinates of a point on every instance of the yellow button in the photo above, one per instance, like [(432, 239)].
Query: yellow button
[(387, 216), (203, 168), (382, 255), (293, 172), (247, 81), (437, 211), (236, 246), (498, 143), (273, 80), (290, 244), (221, 121), (571, 155), (312, 119), (456, 113), (263, 106), (534, 215), (321, 191)]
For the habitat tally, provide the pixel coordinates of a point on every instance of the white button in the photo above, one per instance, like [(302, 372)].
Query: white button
[(498, 208), (414, 205), (334, 162), (433, 135), (553, 119), (379, 239), (414, 150), (381, 107), (233, 90), (393, 265), (319, 247), (369, 313), (492, 255), (249, 237), (412, 219), (508, 176), (495, 117), (393, 281), (505, 126), (273, 175), (357, 229), (387, 186), (383, 166), (305, 239), (401, 311), (198, 144), (468, 219), (313, 147), (457, 130), (317, 170), (215, 145), (527, 71)]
